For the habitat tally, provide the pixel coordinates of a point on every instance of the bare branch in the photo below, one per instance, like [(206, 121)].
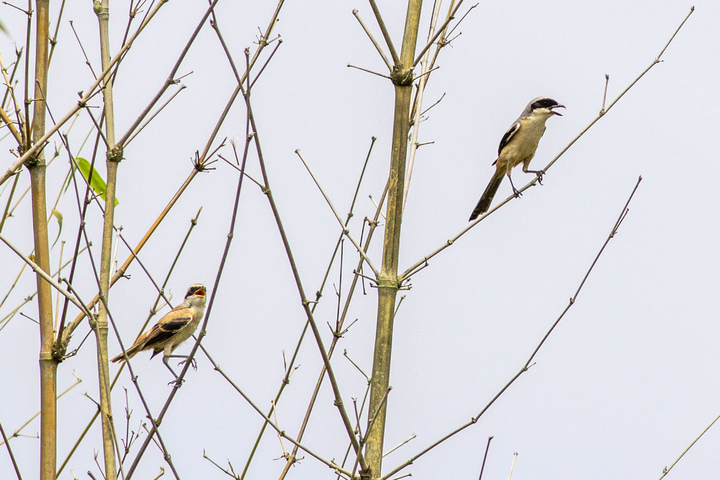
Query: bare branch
[(372, 39), (666, 470), (346, 232), (383, 29), (47, 277)]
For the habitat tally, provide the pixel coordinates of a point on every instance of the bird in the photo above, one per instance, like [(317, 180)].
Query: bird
[(517, 146), (172, 329)]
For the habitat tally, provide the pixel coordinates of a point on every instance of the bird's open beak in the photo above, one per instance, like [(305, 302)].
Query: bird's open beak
[(200, 293), (557, 106)]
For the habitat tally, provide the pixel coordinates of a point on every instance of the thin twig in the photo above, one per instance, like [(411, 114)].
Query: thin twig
[(666, 470), (487, 449), (607, 81), (386, 34), (47, 277), (10, 453), (346, 232), (512, 466), (372, 39), (369, 71), (269, 421), (409, 439)]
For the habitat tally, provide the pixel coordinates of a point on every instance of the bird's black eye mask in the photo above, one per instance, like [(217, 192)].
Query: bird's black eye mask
[(545, 103), (197, 291)]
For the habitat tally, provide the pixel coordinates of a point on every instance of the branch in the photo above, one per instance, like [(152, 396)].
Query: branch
[(346, 232), (666, 470), (372, 39), (383, 29), (47, 277)]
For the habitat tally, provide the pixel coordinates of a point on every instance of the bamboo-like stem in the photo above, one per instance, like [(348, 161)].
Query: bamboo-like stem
[(37, 167), (114, 155), (388, 280), (440, 31), (383, 29)]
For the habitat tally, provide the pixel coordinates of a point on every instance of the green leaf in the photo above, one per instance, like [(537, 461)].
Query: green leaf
[(58, 215), (97, 183)]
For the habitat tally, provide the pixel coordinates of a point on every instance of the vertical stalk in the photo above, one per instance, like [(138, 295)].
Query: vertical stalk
[(402, 77), (48, 365), (114, 155)]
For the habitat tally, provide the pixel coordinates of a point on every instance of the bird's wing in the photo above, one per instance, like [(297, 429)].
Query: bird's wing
[(167, 327), (508, 135)]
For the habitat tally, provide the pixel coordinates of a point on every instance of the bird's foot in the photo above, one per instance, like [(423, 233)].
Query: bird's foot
[(539, 173), (177, 382), (193, 363), (517, 193)]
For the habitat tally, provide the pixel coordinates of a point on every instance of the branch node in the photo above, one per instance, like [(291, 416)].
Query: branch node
[(402, 77), (115, 154)]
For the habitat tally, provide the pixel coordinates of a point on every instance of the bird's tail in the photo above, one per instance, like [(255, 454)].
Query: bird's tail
[(487, 196), (130, 353)]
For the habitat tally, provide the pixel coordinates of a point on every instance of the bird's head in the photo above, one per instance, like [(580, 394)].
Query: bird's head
[(196, 293), (543, 106)]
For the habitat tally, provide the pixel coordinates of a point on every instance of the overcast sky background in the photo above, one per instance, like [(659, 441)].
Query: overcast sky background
[(624, 384)]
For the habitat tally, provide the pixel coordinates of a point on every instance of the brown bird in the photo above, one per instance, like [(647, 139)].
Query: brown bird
[(517, 146), (172, 329)]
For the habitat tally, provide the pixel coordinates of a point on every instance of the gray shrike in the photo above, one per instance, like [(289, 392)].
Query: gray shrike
[(517, 146), (171, 330)]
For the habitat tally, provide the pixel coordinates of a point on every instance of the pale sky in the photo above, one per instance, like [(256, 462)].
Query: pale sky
[(623, 385)]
